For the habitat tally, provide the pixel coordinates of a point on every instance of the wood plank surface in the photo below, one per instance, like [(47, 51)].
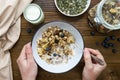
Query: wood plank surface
[(112, 71)]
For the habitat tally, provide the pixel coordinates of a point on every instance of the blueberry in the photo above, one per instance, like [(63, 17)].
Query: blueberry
[(106, 46), (62, 35), (48, 48), (29, 30), (113, 37), (54, 54), (114, 51), (92, 33), (118, 39), (111, 44), (104, 43), (107, 38)]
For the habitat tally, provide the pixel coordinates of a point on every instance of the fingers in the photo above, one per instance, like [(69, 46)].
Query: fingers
[(28, 52), (22, 55), (96, 53), (87, 58)]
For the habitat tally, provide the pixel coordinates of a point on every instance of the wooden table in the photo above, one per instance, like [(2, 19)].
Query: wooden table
[(112, 71)]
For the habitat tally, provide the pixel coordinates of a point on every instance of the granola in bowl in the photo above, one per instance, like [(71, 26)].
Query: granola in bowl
[(54, 47)]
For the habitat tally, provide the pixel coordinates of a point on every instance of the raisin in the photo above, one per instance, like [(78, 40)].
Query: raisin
[(61, 30), (56, 41)]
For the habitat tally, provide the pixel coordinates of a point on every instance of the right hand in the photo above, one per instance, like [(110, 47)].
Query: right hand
[(92, 70)]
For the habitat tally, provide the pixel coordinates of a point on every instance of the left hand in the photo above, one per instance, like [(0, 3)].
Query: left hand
[(26, 63)]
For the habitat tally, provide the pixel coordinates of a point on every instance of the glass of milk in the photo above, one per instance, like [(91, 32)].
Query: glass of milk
[(33, 14)]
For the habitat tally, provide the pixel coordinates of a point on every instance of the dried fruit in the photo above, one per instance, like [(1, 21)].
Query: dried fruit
[(56, 41)]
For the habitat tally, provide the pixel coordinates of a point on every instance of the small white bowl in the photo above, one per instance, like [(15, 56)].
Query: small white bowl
[(87, 6)]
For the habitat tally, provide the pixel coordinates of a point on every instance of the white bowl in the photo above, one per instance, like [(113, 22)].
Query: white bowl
[(87, 6), (78, 48)]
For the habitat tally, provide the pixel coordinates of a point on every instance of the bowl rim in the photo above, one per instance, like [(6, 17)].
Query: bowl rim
[(85, 9), (71, 25)]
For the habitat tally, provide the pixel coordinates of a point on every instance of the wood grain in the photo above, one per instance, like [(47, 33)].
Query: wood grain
[(112, 71)]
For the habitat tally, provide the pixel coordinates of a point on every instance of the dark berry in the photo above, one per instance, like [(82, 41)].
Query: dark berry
[(48, 48), (113, 37), (54, 54), (104, 43), (106, 46), (107, 38), (118, 39), (92, 33), (29, 30), (114, 50), (111, 44), (62, 35)]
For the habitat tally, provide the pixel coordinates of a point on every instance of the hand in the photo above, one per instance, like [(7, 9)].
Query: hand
[(28, 67), (92, 70)]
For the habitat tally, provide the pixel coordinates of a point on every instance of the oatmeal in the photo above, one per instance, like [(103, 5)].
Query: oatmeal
[(55, 45)]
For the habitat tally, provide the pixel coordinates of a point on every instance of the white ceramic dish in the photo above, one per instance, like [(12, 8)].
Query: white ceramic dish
[(78, 48), (87, 6)]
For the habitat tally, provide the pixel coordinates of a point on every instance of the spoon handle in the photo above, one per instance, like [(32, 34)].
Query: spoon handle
[(98, 60)]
